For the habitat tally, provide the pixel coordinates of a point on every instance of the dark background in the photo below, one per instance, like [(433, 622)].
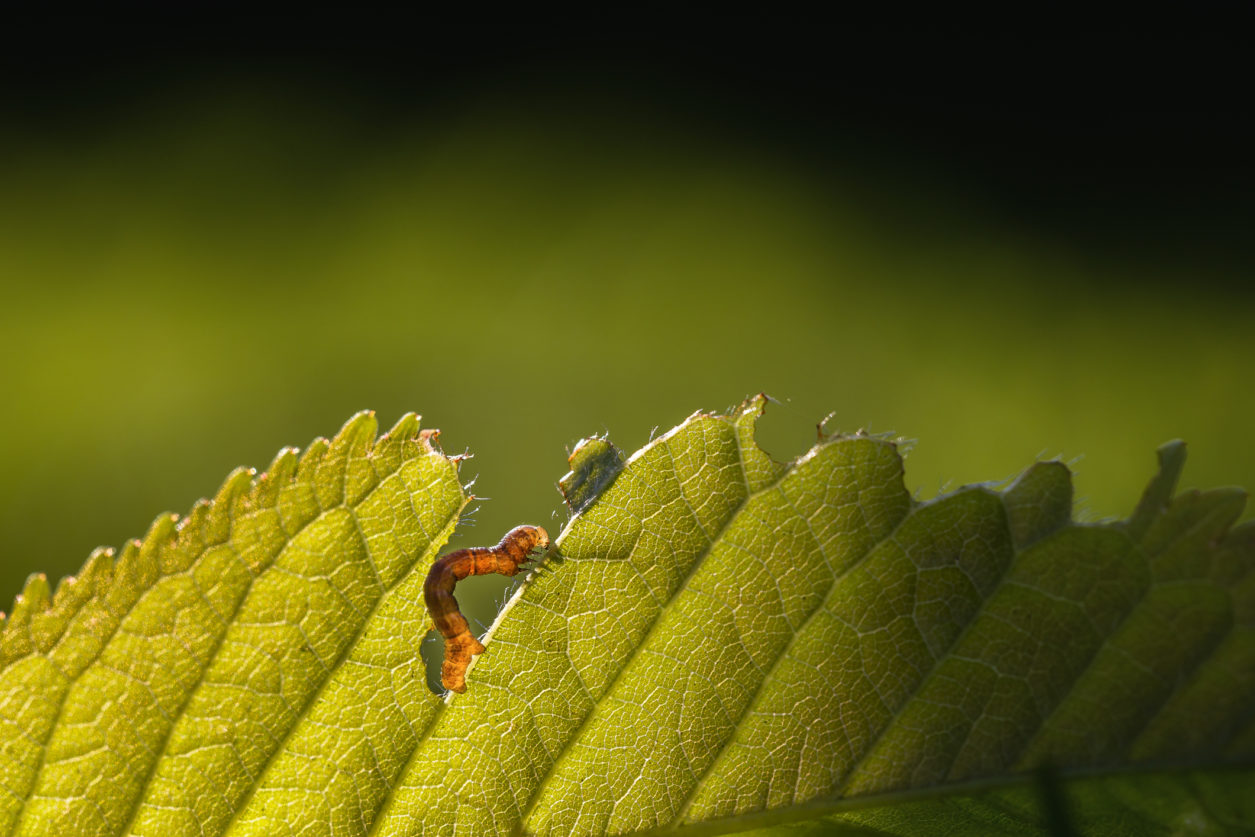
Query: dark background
[(1112, 138), (222, 236)]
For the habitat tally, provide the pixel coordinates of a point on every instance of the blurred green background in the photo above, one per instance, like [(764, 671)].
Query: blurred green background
[(204, 260)]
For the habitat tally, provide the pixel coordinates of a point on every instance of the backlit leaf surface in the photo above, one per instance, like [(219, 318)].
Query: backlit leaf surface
[(717, 642)]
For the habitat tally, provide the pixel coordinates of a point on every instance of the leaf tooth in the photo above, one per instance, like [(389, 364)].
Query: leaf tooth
[(1039, 502), (390, 449), (16, 641), (70, 591), (187, 542), (123, 591), (759, 468), (307, 466), (222, 507), (360, 476), (97, 572), (270, 483), (68, 597), (37, 593), (46, 619), (1158, 493), (297, 503), (95, 579), (34, 599), (147, 564), (343, 473)]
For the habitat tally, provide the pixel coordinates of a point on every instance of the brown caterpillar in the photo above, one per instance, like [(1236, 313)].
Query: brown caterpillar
[(504, 558)]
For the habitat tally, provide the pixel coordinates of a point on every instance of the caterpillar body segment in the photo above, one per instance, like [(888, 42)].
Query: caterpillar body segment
[(506, 558)]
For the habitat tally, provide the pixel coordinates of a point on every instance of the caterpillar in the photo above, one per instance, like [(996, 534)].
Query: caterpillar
[(505, 558)]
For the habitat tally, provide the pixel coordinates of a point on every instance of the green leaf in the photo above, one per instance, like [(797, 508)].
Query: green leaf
[(1131, 804), (268, 639), (716, 642)]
